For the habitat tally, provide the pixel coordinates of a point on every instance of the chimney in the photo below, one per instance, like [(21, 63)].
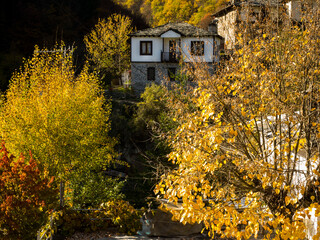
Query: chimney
[(213, 26)]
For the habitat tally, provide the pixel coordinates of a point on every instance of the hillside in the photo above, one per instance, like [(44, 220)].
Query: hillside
[(158, 12)]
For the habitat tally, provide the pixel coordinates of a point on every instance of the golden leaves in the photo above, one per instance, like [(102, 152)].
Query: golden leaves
[(59, 116), (252, 138), (107, 45)]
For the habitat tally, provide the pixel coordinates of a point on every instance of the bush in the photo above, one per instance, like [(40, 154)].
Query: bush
[(71, 221), (123, 215), (116, 215), (151, 107), (26, 196), (94, 188)]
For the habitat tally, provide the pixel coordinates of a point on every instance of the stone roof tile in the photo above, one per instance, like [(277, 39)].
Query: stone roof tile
[(184, 29), (231, 5)]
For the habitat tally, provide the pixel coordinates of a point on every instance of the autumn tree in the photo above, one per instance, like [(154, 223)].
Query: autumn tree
[(247, 147), (27, 194), (108, 47), (61, 117), (159, 12)]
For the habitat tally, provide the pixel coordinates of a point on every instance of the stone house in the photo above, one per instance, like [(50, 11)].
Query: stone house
[(157, 54), (235, 12)]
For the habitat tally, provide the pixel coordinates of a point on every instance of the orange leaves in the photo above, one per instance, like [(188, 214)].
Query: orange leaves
[(25, 196)]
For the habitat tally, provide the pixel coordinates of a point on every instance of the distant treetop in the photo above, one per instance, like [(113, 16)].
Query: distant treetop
[(158, 12)]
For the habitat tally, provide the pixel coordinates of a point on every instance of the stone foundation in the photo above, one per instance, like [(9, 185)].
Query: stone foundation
[(139, 78)]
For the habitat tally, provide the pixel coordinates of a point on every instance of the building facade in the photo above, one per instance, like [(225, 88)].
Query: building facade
[(236, 12), (158, 54)]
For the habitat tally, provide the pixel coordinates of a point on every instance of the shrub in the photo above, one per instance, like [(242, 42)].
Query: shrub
[(71, 221), (123, 215), (151, 107), (94, 188), (26, 196), (117, 215)]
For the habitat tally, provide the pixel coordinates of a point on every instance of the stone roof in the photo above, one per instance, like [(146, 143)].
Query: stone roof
[(231, 5), (262, 2), (184, 29)]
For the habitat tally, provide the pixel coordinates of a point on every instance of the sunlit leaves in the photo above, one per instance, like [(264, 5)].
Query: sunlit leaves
[(62, 118), (108, 47), (247, 145), (159, 12)]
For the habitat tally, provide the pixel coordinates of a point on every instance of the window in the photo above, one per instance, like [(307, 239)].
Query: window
[(172, 74), (197, 48), (151, 73), (146, 48)]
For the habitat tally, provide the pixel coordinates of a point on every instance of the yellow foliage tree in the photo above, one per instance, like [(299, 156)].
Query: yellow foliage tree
[(159, 12), (61, 117), (108, 47), (247, 147)]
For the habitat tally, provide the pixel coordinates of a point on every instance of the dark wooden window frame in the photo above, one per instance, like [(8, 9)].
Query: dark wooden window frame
[(151, 73), (144, 49), (197, 48)]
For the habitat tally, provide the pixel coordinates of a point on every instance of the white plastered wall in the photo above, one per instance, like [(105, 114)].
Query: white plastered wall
[(156, 49), (208, 49)]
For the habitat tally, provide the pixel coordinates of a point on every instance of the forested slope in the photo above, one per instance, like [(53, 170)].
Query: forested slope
[(158, 12)]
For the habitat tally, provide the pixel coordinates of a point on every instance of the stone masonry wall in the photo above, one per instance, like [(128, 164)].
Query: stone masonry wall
[(139, 78)]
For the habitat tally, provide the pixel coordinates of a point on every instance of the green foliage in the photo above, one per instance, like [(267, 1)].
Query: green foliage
[(138, 148), (142, 122), (151, 107), (108, 47), (26, 196), (153, 112), (94, 188)]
